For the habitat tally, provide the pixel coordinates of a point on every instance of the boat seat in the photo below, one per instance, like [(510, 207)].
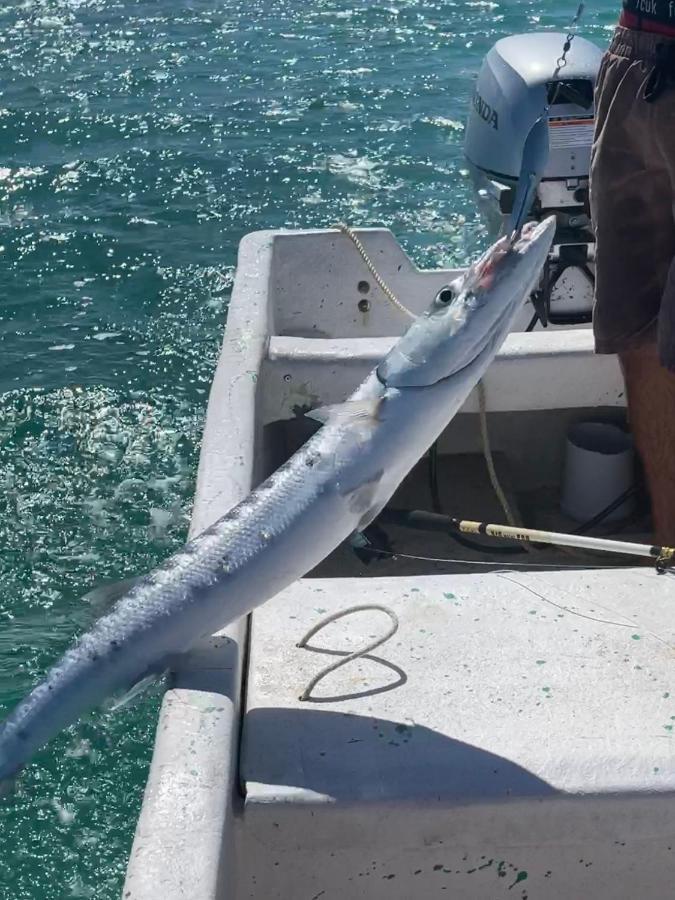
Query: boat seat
[(535, 370)]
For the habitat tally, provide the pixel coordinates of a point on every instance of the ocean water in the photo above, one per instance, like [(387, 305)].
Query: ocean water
[(139, 142)]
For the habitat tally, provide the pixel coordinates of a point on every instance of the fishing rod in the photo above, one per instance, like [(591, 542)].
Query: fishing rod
[(664, 557)]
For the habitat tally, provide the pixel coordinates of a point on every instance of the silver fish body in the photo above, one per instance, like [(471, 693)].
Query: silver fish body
[(334, 485)]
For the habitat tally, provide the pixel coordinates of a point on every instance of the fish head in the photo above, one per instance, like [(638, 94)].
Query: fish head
[(471, 317)]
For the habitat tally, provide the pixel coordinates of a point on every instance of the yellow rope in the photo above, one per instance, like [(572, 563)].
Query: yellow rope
[(386, 290), (489, 461)]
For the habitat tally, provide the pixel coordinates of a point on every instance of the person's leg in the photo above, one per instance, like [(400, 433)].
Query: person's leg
[(650, 392), (632, 212)]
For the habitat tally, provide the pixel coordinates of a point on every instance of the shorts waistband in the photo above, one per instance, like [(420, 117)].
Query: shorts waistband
[(634, 44)]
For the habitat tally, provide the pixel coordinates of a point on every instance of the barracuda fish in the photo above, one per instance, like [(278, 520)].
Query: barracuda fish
[(333, 487)]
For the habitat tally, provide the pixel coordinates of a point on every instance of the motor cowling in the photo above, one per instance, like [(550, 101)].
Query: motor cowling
[(515, 84)]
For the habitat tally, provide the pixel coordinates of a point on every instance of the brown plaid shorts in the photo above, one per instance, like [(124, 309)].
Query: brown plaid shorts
[(632, 198)]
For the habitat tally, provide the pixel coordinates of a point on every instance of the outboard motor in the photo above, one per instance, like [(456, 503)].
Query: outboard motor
[(514, 86)]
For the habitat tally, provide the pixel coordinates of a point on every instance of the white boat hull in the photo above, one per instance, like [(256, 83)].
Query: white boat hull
[(528, 751)]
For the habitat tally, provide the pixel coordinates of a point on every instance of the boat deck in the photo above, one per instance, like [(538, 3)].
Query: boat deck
[(512, 739), (516, 728)]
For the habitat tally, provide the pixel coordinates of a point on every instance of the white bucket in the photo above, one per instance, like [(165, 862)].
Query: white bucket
[(598, 469)]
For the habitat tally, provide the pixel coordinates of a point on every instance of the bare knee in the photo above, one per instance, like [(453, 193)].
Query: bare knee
[(640, 360), (647, 379), (650, 390)]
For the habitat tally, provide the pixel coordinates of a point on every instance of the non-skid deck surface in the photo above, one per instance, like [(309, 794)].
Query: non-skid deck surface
[(514, 738), (567, 677)]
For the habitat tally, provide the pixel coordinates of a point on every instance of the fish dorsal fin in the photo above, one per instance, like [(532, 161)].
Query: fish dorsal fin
[(349, 411)]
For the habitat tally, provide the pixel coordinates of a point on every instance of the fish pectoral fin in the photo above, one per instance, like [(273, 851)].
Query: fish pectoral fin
[(102, 598), (361, 497), (349, 411), (139, 687), (371, 515)]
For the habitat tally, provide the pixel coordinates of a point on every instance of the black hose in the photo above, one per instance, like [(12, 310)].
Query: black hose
[(533, 322), (436, 504), (608, 510), (437, 507), (445, 524)]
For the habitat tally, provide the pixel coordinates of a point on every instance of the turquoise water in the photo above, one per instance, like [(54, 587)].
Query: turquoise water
[(140, 141)]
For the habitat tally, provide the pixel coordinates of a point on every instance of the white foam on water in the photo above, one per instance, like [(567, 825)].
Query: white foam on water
[(65, 814), (358, 169)]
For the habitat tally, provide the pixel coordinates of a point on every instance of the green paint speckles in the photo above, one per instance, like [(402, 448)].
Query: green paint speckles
[(546, 690), (656, 769), (668, 727), (521, 876), (449, 596), (540, 662), (666, 694), (414, 590), (636, 637)]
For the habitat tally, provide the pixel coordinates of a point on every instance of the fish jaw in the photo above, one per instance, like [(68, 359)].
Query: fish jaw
[(450, 335)]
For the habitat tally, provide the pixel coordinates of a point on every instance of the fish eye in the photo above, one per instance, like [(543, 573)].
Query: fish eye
[(445, 296)]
